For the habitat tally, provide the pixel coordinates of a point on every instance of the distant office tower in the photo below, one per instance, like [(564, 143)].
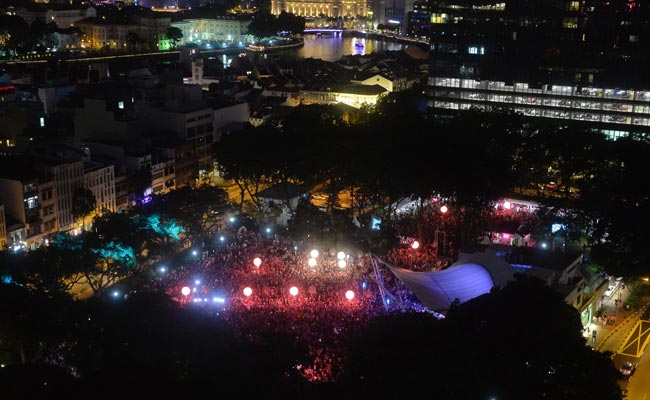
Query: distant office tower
[(318, 8), (392, 13), (564, 59)]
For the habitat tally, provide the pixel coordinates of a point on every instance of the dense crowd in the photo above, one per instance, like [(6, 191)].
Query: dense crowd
[(320, 316), (248, 277)]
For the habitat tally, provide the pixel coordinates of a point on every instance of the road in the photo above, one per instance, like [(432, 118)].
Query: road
[(638, 387)]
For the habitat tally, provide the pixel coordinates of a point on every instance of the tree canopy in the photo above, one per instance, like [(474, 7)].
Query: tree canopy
[(496, 342)]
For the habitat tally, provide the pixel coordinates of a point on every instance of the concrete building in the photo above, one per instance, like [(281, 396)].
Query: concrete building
[(392, 13), (184, 112), (68, 175), (100, 180), (617, 111), (573, 60), (111, 116), (29, 202), (63, 15), (318, 8), (152, 28), (214, 31), (182, 153), (66, 38), (352, 95), (98, 33), (163, 175)]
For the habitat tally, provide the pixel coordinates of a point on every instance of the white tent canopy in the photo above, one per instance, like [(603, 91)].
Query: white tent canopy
[(463, 281)]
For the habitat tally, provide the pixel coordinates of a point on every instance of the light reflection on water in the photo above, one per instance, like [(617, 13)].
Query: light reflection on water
[(331, 48)]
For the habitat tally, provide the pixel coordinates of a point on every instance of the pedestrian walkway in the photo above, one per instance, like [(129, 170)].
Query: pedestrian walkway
[(615, 318)]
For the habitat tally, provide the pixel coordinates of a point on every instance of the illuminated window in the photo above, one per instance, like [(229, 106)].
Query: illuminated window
[(476, 50), (570, 23), (439, 18), (573, 5)]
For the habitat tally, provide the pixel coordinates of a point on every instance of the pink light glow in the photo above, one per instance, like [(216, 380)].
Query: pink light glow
[(506, 236), (257, 262), (507, 205), (293, 291), (248, 291), (185, 291), (415, 245), (349, 295)]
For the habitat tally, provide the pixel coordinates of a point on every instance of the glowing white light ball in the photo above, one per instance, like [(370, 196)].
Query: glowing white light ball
[(415, 244), (257, 261), (293, 291), (314, 253), (312, 262), (340, 255), (342, 264), (444, 209), (507, 205), (248, 291), (185, 290), (349, 295)]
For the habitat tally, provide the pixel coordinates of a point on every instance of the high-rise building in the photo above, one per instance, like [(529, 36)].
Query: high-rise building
[(392, 14), (578, 60)]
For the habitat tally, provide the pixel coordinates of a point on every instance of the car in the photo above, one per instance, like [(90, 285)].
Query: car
[(628, 368)]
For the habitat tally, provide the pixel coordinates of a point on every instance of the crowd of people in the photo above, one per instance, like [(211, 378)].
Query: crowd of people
[(261, 283), (257, 299)]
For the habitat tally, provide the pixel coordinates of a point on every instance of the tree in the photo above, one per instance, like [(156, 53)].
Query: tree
[(138, 182), (133, 39), (496, 339), (174, 34), (291, 23), (83, 205), (264, 24), (620, 206), (200, 211), (46, 270)]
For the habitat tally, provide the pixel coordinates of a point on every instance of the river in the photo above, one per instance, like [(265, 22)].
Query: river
[(332, 48)]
